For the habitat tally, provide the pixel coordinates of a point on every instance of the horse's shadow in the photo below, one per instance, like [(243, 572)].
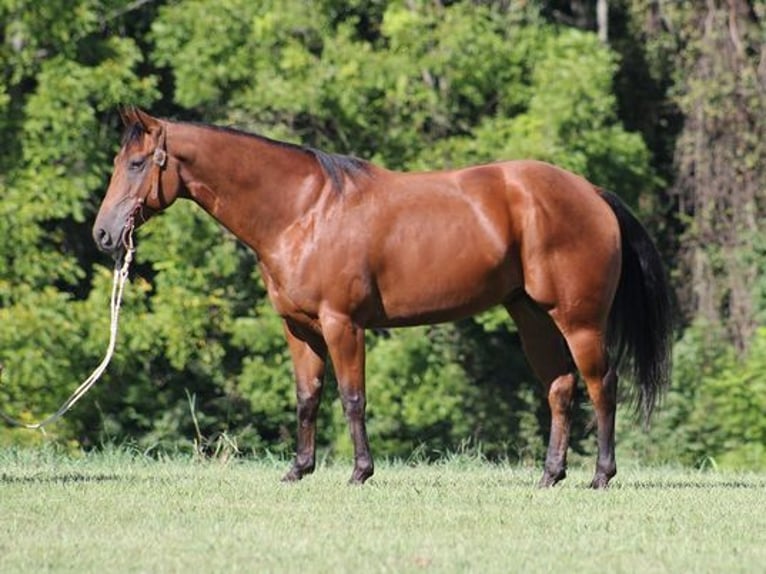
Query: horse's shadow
[(690, 484), (58, 478)]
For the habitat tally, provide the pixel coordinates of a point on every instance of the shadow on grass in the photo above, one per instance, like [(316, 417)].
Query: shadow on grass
[(691, 484), (64, 478)]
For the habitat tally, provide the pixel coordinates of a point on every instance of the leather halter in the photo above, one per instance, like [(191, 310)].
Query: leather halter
[(160, 160)]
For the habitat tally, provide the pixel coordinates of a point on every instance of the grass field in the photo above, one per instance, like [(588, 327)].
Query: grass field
[(115, 512)]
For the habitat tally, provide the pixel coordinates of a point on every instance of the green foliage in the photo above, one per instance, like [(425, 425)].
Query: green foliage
[(58, 145), (734, 390), (412, 85), (417, 392), (713, 414), (569, 118), (415, 90), (61, 82)]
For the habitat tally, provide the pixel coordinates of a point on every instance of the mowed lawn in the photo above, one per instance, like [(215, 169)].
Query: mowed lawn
[(115, 512)]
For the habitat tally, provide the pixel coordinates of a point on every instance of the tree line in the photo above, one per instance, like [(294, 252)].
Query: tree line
[(662, 102)]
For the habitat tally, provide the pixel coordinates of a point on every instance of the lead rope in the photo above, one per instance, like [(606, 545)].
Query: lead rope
[(118, 285)]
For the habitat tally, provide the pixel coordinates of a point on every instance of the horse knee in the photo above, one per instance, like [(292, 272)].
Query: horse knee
[(353, 406)]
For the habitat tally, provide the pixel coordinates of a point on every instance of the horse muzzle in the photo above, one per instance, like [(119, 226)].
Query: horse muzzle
[(110, 243), (114, 238)]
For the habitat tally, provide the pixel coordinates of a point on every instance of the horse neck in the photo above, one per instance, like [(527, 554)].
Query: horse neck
[(253, 186)]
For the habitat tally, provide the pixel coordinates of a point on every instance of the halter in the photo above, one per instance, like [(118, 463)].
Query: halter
[(159, 161)]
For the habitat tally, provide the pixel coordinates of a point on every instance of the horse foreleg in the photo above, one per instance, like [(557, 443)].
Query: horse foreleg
[(345, 341), (309, 355)]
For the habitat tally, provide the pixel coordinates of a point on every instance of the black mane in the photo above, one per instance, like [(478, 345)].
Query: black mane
[(336, 166)]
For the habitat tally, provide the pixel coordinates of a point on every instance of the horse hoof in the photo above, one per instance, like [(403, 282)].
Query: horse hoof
[(599, 482), (550, 479), (360, 475), (291, 476), (298, 470), (294, 474)]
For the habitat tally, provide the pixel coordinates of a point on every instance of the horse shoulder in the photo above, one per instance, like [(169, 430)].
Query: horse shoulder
[(291, 269)]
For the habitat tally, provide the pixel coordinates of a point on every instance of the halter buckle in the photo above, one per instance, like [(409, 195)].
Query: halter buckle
[(160, 157)]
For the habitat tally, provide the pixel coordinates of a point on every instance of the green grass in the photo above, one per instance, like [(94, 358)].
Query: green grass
[(115, 512)]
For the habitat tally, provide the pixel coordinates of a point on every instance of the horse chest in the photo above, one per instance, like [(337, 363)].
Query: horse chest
[(288, 300)]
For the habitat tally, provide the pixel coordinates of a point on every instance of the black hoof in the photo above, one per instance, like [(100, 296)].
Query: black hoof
[(551, 478), (296, 473), (361, 474), (600, 482)]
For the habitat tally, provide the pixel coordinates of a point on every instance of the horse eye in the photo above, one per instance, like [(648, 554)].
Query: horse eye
[(136, 163)]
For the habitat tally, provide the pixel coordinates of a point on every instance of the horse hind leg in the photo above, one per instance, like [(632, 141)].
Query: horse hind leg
[(590, 356), (548, 355)]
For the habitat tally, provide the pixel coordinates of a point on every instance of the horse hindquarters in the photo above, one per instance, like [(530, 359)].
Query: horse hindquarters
[(571, 262), (618, 304)]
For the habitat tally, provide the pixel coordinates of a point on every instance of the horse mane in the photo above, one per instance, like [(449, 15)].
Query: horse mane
[(335, 166)]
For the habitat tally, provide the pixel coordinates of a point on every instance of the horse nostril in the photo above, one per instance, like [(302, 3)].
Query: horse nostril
[(103, 239)]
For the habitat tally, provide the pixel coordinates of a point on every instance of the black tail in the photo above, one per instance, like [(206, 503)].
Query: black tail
[(640, 325)]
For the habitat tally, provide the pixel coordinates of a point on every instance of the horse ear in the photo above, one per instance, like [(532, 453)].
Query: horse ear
[(128, 115), (149, 123)]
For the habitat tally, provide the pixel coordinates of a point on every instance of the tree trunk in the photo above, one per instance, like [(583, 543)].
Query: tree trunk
[(602, 20)]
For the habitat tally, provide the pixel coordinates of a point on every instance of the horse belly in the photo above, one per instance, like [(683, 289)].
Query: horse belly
[(443, 277)]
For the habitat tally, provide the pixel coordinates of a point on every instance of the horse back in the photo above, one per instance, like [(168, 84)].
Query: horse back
[(443, 245)]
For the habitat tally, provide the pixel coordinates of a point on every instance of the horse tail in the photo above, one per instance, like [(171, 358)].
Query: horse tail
[(640, 326)]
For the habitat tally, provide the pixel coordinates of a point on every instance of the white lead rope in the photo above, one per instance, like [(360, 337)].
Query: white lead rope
[(118, 285)]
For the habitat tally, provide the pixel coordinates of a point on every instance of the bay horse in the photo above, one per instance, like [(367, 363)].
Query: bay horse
[(344, 245)]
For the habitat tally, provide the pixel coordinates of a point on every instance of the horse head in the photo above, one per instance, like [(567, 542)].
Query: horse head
[(145, 181)]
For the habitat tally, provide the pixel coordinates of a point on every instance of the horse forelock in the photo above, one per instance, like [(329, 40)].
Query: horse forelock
[(132, 133)]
